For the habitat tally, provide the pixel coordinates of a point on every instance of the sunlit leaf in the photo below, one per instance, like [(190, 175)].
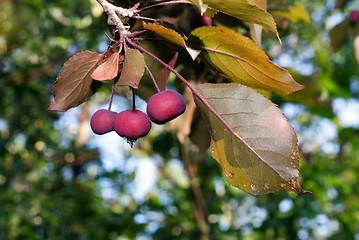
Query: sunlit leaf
[(133, 68), (260, 3), (243, 10), (201, 6), (108, 70), (74, 84), (172, 36), (251, 139), (241, 60), (167, 33)]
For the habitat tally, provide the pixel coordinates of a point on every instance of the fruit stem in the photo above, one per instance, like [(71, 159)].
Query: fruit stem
[(112, 92), (153, 79), (194, 91), (133, 99), (167, 66)]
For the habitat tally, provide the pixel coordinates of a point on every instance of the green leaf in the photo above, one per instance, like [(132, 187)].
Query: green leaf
[(241, 60), (74, 84), (133, 68), (243, 10), (251, 139), (107, 70)]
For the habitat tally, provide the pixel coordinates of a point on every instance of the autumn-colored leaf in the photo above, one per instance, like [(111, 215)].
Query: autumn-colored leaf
[(260, 3), (133, 68), (172, 36), (167, 33), (147, 88), (74, 84), (251, 139), (201, 6), (243, 10), (241, 60), (108, 70), (164, 73), (294, 13)]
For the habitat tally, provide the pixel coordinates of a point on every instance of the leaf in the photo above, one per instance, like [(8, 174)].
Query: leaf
[(260, 3), (243, 10), (311, 96), (295, 13), (167, 33), (133, 68), (251, 139), (108, 70), (256, 33), (340, 34), (146, 87), (164, 73), (74, 84), (172, 36), (201, 6), (241, 60)]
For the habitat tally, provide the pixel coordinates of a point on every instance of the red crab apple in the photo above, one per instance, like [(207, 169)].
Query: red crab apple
[(132, 124), (165, 106), (199, 20), (354, 16), (102, 121)]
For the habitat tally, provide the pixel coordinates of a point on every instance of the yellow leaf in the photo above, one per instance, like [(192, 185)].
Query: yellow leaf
[(295, 13), (241, 60), (167, 33)]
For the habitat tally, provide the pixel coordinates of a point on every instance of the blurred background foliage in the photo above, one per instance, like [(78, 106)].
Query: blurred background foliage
[(59, 181)]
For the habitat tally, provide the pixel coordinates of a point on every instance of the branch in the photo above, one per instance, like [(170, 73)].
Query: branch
[(162, 4), (114, 13)]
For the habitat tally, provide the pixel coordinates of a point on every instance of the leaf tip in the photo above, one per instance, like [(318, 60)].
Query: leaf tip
[(54, 106)]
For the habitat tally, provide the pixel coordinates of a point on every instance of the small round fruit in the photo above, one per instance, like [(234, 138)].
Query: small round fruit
[(200, 20), (354, 16), (132, 124), (165, 106), (102, 121)]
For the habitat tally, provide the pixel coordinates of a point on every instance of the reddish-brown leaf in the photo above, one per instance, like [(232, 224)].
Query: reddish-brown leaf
[(108, 70), (133, 68), (74, 84), (165, 73), (251, 139)]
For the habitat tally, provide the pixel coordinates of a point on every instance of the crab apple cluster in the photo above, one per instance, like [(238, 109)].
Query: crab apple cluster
[(133, 124)]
